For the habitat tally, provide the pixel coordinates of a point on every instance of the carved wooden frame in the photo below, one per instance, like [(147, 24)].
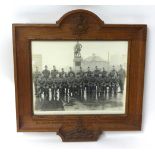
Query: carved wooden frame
[(79, 25)]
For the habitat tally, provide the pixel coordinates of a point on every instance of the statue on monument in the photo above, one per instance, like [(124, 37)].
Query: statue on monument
[(77, 49)]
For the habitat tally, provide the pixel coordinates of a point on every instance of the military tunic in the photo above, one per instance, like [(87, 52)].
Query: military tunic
[(46, 73)]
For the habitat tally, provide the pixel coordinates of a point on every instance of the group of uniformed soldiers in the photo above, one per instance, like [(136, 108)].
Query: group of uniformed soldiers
[(76, 84)]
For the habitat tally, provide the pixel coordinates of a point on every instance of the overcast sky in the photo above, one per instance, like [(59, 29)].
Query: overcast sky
[(61, 53)]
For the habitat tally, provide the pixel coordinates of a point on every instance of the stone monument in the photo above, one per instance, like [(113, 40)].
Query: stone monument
[(77, 57)]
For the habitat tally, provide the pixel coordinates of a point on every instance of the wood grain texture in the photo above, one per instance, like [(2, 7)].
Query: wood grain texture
[(87, 27)]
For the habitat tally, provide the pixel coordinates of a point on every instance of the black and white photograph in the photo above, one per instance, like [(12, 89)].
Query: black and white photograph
[(79, 77)]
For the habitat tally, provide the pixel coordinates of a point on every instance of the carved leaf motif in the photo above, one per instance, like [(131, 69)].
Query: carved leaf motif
[(80, 24), (79, 133)]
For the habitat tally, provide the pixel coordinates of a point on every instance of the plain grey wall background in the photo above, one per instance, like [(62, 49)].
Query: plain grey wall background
[(41, 143)]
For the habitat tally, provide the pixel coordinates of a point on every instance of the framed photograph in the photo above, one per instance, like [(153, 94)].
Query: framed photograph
[(90, 80), (79, 77)]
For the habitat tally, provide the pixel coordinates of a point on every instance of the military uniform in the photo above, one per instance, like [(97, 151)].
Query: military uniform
[(58, 82), (53, 86), (36, 76), (41, 86), (78, 86), (104, 73), (100, 83), (70, 82), (121, 79), (71, 74), (91, 86), (85, 83), (64, 86), (54, 73), (113, 76), (80, 73), (46, 88), (46, 73), (96, 72), (89, 73), (62, 74)]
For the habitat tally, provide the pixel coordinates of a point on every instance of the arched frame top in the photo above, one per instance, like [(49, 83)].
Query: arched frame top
[(81, 12)]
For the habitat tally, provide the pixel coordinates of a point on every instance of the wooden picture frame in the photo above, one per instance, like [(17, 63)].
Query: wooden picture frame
[(79, 25)]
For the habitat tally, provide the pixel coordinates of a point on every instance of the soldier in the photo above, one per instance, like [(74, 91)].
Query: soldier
[(38, 87), (54, 72), (36, 76), (71, 72), (113, 76), (46, 88), (80, 72), (88, 72), (113, 73), (85, 80), (96, 72), (46, 72), (121, 78), (70, 82), (64, 86), (58, 82), (92, 86), (62, 73), (104, 72), (53, 86), (41, 85), (50, 84), (107, 84), (36, 73), (78, 85), (75, 86), (99, 84)]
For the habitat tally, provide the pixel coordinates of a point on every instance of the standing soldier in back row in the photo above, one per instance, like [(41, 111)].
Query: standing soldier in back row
[(70, 81), (36, 76), (46, 72), (88, 72), (62, 73), (121, 78), (71, 72), (113, 77), (80, 73), (96, 72), (54, 72), (45, 78), (79, 81), (104, 73)]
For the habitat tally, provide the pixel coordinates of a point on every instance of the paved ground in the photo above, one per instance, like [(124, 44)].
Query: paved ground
[(105, 102)]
